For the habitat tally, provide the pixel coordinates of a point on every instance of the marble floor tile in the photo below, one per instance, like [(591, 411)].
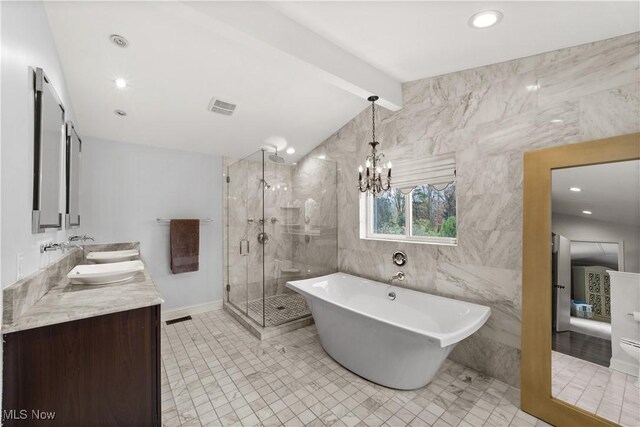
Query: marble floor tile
[(215, 373), (597, 389)]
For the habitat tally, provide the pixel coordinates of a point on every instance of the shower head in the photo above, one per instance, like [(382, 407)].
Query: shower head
[(275, 158)]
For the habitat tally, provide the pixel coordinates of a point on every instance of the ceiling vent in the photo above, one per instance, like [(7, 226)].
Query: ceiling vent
[(221, 107), (118, 40)]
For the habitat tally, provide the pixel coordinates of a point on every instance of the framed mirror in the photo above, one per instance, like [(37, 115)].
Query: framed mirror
[(581, 281), (74, 152), (49, 125)]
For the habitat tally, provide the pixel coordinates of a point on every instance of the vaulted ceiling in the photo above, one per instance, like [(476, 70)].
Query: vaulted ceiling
[(296, 70)]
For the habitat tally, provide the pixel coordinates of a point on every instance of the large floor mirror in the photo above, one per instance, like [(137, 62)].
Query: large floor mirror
[(581, 283)]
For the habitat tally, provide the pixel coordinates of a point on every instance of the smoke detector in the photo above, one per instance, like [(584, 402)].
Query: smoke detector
[(221, 107)]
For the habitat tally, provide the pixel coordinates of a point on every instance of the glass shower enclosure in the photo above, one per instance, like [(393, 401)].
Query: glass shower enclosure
[(281, 225)]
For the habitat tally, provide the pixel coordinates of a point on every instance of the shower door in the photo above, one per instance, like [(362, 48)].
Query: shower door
[(281, 226), (245, 271)]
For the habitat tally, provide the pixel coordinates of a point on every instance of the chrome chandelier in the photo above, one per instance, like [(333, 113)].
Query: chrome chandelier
[(372, 180)]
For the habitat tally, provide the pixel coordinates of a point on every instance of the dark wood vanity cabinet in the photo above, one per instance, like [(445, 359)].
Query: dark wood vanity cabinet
[(100, 371)]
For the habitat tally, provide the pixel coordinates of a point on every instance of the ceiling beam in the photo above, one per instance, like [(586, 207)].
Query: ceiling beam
[(259, 26)]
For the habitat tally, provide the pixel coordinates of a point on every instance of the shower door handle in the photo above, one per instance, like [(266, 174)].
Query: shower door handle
[(245, 246)]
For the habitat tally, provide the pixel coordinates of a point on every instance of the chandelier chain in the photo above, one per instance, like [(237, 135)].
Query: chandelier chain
[(373, 120)]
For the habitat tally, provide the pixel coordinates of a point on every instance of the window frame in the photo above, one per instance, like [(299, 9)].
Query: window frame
[(366, 224)]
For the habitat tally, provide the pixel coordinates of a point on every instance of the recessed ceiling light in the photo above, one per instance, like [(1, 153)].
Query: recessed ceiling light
[(291, 150), (532, 88), (575, 189), (485, 19), (118, 40), (120, 113), (121, 83), (587, 212), (322, 157), (556, 121)]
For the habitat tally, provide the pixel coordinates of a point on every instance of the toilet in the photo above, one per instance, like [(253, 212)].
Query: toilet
[(632, 348)]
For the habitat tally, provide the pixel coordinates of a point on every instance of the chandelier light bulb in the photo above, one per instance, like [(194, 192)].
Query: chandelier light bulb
[(389, 165), (368, 163), (360, 169)]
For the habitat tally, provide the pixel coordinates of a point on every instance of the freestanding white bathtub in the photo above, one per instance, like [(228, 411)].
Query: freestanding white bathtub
[(399, 343)]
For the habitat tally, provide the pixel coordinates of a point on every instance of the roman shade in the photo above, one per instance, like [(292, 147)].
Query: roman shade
[(437, 171)]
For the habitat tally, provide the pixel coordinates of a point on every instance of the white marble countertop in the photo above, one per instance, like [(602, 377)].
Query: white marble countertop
[(65, 302)]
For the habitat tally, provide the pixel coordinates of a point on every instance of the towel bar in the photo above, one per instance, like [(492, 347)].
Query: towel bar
[(167, 221)]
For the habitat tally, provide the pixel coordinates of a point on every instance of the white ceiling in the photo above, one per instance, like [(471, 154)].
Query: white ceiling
[(297, 70), (414, 40), (610, 191), (175, 66)]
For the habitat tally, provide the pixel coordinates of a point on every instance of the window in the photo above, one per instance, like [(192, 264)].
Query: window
[(389, 213), (420, 207)]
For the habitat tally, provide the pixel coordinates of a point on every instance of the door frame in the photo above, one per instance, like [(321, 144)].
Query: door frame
[(536, 395), (620, 244), (568, 284)]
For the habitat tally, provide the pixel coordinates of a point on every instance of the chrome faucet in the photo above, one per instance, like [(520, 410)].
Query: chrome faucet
[(82, 238), (50, 247), (70, 243), (399, 276)]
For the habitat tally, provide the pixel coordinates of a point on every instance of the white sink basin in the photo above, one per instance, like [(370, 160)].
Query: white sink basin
[(100, 274), (113, 256)]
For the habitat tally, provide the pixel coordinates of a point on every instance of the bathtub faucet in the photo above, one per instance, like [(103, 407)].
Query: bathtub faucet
[(399, 276)]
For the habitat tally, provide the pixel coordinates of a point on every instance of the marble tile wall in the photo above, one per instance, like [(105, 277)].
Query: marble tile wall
[(302, 239), (489, 117), (278, 251), (314, 239), (23, 294)]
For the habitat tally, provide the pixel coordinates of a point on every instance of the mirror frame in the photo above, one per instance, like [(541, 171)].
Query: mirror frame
[(535, 368), (70, 174), (40, 80)]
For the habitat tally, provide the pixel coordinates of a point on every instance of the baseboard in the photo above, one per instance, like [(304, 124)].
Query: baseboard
[(192, 309), (622, 366)]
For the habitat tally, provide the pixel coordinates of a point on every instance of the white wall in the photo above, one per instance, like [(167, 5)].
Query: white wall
[(125, 187), (26, 42), (147, 182), (579, 228)]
